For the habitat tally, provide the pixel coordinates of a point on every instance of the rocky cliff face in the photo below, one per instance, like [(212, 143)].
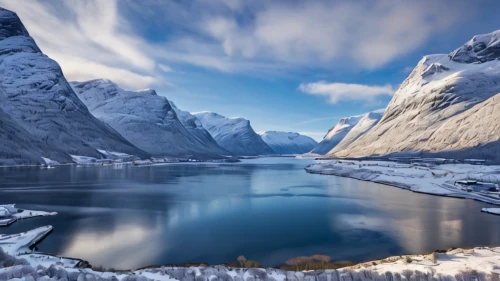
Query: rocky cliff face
[(145, 119), (19, 147), (445, 107), (287, 142), (235, 135), (38, 98)]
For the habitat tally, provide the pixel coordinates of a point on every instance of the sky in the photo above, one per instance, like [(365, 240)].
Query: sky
[(285, 65)]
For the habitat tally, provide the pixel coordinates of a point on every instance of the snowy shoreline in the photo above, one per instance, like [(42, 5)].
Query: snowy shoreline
[(17, 260), (9, 214), (448, 180)]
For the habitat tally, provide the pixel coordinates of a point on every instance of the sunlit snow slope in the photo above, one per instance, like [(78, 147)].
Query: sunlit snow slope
[(447, 106)]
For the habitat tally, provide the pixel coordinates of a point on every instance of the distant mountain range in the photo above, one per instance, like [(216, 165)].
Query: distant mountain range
[(288, 142)]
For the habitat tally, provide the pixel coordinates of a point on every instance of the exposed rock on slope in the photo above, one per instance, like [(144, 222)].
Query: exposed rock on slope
[(449, 112), (336, 134), (36, 96), (145, 119), (234, 134), (18, 147), (288, 143), (194, 126), (367, 122), (480, 48)]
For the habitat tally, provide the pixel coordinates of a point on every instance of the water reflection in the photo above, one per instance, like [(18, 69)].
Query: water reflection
[(266, 209)]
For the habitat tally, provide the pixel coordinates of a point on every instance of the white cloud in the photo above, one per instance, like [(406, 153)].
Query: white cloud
[(342, 91), (89, 40), (252, 37), (368, 34)]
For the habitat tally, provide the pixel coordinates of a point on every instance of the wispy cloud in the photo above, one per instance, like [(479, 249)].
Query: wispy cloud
[(251, 37), (89, 40), (342, 91)]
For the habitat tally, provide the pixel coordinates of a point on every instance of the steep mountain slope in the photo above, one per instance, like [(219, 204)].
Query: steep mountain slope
[(36, 96), (18, 147), (142, 117), (336, 134), (367, 122), (288, 143), (445, 107), (194, 127), (233, 134)]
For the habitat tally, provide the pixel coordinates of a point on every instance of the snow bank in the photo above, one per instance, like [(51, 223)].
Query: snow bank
[(436, 179), (10, 214)]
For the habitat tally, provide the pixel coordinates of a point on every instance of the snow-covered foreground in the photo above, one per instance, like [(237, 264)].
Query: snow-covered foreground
[(475, 264), (10, 214), (19, 262), (444, 180)]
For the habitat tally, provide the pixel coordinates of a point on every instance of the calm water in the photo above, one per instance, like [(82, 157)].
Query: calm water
[(266, 209)]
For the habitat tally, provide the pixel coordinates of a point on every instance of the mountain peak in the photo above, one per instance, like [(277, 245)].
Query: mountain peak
[(11, 25)]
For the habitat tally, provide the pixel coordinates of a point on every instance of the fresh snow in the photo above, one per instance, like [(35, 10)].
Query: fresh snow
[(495, 211), (10, 214), (235, 135), (15, 244), (447, 107), (287, 142)]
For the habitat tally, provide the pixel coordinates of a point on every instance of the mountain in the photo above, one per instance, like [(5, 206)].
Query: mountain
[(336, 134), (288, 143), (145, 119), (18, 147), (195, 128), (38, 98), (448, 106), (235, 135), (365, 124)]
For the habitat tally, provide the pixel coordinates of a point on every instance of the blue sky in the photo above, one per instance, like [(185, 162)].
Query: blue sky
[(285, 65)]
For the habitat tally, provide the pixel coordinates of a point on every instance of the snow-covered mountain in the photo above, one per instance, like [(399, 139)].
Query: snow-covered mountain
[(235, 135), (194, 126), (365, 124), (447, 106), (287, 142), (38, 98), (144, 118), (336, 134)]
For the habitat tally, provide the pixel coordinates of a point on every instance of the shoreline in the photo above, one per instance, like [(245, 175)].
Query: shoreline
[(388, 175)]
